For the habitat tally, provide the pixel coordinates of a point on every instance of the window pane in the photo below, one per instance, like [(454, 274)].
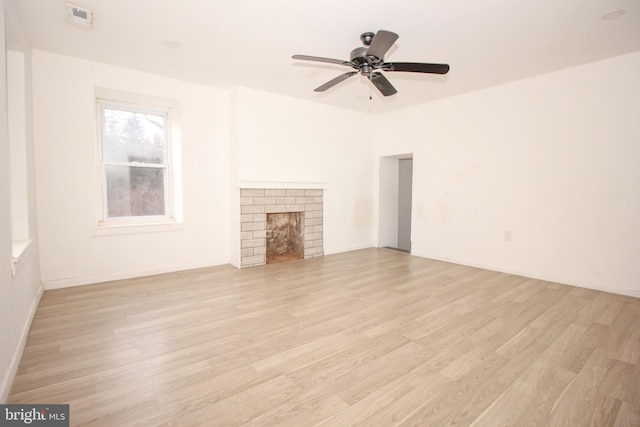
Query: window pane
[(135, 191), (133, 137)]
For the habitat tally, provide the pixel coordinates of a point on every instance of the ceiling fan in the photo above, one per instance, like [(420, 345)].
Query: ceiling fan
[(367, 60)]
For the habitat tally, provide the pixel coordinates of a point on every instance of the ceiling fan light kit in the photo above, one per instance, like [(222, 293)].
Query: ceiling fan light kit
[(368, 60)]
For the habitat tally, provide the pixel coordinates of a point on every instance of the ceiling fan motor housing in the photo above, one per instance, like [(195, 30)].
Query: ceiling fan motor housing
[(359, 58), (366, 63)]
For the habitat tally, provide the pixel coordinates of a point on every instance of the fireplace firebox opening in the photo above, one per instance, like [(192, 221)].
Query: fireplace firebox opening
[(284, 237)]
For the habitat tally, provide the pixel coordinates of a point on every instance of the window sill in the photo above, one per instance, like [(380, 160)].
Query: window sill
[(105, 230), (20, 250)]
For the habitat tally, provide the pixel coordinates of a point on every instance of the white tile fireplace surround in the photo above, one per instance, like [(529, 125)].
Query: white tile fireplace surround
[(256, 203)]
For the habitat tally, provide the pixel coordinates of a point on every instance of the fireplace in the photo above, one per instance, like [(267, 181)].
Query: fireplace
[(296, 213)]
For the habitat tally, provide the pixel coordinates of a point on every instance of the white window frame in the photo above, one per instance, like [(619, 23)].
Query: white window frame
[(171, 202)]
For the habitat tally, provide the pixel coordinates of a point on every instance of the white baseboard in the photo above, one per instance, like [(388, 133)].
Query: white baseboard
[(536, 275), (235, 262), (100, 278), (7, 380)]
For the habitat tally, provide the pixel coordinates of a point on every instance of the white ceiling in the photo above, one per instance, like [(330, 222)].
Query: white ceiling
[(250, 42)]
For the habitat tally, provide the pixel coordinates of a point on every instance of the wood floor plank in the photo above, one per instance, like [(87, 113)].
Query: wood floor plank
[(528, 401), (455, 395), (373, 337), (573, 406), (628, 415)]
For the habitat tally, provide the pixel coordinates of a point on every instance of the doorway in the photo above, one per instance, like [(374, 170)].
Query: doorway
[(396, 189)]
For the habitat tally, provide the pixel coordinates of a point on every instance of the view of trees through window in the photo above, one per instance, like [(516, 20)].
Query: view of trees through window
[(134, 156)]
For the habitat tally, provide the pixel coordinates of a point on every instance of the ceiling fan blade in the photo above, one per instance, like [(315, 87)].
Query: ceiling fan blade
[(326, 60), (384, 86), (416, 67), (331, 83), (381, 43)]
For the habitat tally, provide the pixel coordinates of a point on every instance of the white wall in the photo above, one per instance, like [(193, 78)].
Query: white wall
[(72, 251), (553, 159), (19, 295), (287, 140)]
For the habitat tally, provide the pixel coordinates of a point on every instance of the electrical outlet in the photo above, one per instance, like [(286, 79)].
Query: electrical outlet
[(507, 235)]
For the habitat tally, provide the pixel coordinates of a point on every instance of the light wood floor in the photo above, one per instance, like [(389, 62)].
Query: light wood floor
[(373, 337)]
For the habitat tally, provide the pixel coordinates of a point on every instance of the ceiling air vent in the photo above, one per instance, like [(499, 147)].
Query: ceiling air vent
[(79, 16)]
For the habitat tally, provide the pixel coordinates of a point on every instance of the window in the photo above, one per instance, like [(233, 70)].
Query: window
[(135, 162)]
